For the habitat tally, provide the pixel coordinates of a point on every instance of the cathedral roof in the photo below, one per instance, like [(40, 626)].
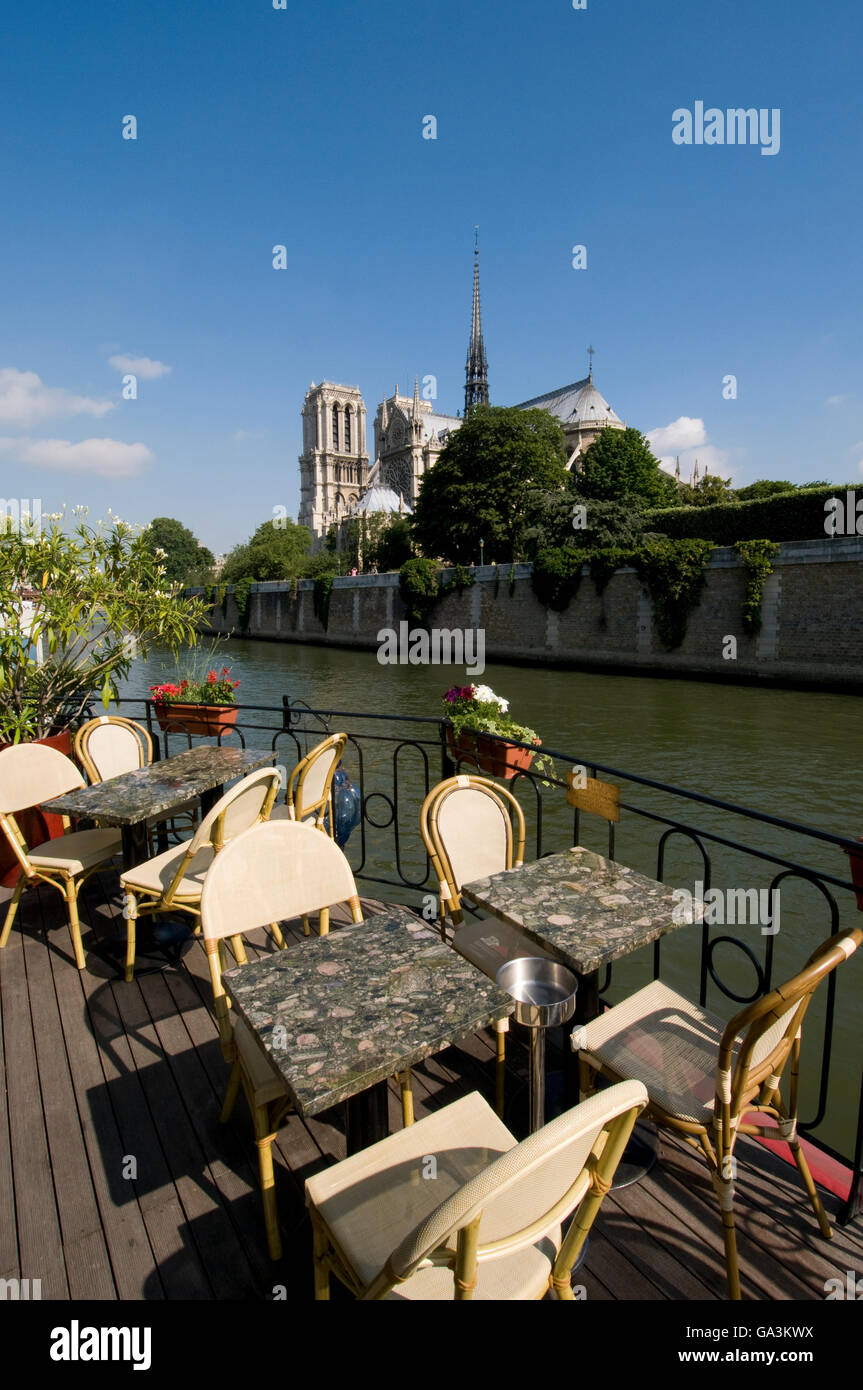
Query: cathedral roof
[(381, 499), (577, 404)]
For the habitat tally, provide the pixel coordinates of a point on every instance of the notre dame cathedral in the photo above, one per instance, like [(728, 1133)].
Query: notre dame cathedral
[(336, 481)]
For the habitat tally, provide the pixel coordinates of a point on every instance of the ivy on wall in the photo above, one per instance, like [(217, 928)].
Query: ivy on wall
[(242, 598), (321, 599), (422, 587), (757, 557)]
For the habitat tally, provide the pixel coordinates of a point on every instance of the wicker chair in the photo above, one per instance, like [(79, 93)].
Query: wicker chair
[(173, 881), (703, 1076), (467, 827), (31, 773), (269, 874), (454, 1208), (309, 785), (109, 745)]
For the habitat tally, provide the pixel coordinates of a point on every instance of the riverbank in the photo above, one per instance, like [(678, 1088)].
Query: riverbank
[(811, 634)]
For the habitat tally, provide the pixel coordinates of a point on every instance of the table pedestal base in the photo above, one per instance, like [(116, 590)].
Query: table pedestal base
[(366, 1118)]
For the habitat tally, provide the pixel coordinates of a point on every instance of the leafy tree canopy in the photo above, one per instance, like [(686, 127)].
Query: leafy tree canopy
[(477, 489), (705, 493), (278, 550), (184, 559), (619, 464), (556, 519), (763, 487)]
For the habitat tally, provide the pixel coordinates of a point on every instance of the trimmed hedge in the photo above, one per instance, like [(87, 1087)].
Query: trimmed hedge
[(787, 516)]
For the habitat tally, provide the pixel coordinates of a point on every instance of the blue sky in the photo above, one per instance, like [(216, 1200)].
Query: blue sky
[(303, 127)]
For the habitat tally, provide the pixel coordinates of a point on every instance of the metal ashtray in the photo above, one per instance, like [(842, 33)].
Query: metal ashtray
[(544, 994), (543, 990)]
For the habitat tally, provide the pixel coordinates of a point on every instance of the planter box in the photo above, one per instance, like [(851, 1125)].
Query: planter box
[(195, 719), (489, 755), (35, 825), (856, 860)]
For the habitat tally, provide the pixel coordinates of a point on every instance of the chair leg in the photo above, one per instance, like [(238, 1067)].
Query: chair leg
[(324, 921), (277, 935), (500, 1067), (407, 1097), (71, 895), (306, 927), (321, 1266), (130, 912), (264, 1138), (725, 1193), (239, 949), (812, 1191), (230, 1094), (12, 909)]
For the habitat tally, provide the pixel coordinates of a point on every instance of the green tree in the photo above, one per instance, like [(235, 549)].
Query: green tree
[(618, 465), (707, 492), (77, 604), (558, 520), (477, 489), (394, 546), (184, 558), (278, 550), (763, 487)]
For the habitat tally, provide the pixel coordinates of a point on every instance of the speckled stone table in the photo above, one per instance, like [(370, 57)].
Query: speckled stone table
[(133, 798), (339, 1014), (586, 910)]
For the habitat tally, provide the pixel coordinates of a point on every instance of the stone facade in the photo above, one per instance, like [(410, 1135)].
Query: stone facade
[(409, 438), (812, 628), (334, 464)]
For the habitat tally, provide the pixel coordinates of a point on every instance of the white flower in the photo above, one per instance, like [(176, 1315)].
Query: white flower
[(486, 695)]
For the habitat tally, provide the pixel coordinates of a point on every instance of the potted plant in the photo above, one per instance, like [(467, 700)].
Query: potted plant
[(474, 713), (197, 703), (855, 857), (77, 604)]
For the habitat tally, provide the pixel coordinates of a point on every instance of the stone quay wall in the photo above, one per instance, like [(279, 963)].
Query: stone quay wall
[(811, 633)]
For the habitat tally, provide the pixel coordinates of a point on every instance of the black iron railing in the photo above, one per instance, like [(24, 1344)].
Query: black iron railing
[(395, 760)]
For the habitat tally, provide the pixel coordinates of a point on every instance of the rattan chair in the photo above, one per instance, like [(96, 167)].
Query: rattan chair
[(454, 1208), (31, 773), (271, 873), (173, 881), (110, 745), (467, 827), (310, 784), (703, 1076)]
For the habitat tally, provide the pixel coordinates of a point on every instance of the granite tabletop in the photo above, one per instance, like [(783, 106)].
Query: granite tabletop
[(339, 1013), (585, 909), (135, 796)]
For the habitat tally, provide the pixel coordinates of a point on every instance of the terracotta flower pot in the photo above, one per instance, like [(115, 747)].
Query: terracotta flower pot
[(490, 755), (177, 717), (855, 857), (35, 825)]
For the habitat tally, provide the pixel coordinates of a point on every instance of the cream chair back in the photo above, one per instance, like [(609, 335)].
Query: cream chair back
[(272, 873), (467, 827), (108, 746), (308, 790), (31, 773), (529, 1190)]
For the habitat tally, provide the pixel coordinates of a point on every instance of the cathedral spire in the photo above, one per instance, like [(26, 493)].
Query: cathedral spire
[(416, 405), (476, 367)]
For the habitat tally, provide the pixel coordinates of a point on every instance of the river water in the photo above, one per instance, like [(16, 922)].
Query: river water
[(797, 755)]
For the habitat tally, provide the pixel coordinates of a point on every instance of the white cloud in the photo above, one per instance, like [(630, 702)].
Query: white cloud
[(835, 400), (25, 400), (145, 367), (107, 458), (683, 433)]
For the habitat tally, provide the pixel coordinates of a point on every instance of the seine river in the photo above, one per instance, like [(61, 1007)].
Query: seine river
[(792, 754)]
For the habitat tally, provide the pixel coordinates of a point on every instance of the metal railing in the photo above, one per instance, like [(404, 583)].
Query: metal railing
[(395, 760)]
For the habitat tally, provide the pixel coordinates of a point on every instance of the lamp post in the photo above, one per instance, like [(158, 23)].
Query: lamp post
[(481, 545)]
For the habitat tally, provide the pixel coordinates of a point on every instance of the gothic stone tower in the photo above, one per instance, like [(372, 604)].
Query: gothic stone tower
[(334, 464)]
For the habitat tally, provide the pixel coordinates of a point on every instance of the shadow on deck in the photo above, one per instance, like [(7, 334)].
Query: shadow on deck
[(117, 1181)]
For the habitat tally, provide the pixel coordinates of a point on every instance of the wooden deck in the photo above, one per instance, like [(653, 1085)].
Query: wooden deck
[(118, 1182)]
